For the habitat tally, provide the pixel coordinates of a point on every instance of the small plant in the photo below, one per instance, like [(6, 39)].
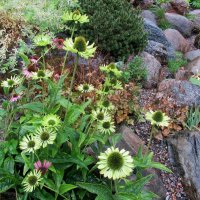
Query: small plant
[(176, 63), (195, 3), (193, 118), (160, 17), (135, 71), (114, 26)]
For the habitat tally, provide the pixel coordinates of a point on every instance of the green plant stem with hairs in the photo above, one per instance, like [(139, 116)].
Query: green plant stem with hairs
[(151, 137), (65, 58), (73, 76)]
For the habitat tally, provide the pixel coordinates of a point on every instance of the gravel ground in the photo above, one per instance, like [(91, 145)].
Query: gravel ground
[(172, 182)]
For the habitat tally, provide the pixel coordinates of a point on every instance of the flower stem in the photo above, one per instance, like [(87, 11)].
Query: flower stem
[(115, 184), (151, 136), (73, 76)]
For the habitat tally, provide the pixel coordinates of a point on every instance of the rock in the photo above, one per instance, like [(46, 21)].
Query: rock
[(153, 67), (191, 55), (180, 92), (182, 74), (181, 23), (177, 40), (196, 20), (180, 6), (156, 34), (157, 50), (132, 142), (194, 66), (185, 150), (147, 3), (197, 41), (147, 14)]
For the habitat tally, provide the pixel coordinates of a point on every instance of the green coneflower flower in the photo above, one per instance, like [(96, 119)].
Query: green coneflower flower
[(115, 164), (29, 144), (80, 46), (31, 181), (84, 88), (11, 82), (75, 16), (41, 74), (45, 136), (51, 121), (157, 118), (106, 126), (100, 115), (106, 105), (111, 69), (42, 40)]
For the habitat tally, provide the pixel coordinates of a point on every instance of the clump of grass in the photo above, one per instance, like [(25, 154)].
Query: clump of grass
[(193, 118), (175, 64)]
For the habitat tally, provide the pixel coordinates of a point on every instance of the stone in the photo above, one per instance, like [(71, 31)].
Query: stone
[(191, 55), (184, 148), (196, 20), (157, 50), (180, 6), (132, 142), (153, 67), (177, 40), (181, 23), (197, 41), (183, 93), (147, 14), (194, 66), (156, 34)]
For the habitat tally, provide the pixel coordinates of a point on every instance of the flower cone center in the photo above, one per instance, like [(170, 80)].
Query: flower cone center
[(41, 73), (106, 125), (158, 116), (80, 44), (32, 180), (44, 136), (10, 82), (106, 104), (31, 144), (115, 161), (51, 122), (100, 116), (85, 87)]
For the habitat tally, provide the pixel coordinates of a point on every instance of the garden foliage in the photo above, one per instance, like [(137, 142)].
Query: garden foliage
[(58, 138)]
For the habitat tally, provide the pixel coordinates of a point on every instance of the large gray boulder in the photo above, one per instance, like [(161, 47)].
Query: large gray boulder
[(156, 34), (180, 92), (147, 14), (184, 148), (194, 66), (196, 20), (181, 23), (177, 40), (153, 67), (191, 55)]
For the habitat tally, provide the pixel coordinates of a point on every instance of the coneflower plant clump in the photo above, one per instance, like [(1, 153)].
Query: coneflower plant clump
[(60, 135)]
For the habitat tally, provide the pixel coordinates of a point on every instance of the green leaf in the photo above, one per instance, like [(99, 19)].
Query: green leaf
[(9, 164), (160, 166), (127, 196), (34, 106), (66, 187), (25, 58), (101, 190), (136, 186), (6, 183), (116, 138)]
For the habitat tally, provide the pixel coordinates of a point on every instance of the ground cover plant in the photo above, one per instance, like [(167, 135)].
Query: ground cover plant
[(59, 137)]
